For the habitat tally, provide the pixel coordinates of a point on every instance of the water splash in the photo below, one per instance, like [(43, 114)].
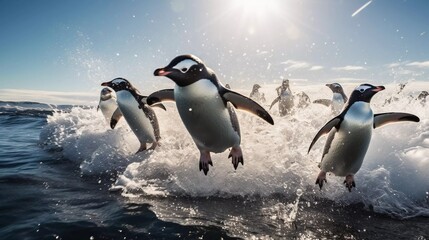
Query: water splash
[(393, 179)]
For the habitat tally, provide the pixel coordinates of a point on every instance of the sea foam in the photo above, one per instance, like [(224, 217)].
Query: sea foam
[(393, 180)]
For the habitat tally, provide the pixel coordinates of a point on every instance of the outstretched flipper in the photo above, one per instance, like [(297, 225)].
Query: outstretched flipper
[(160, 96), (391, 117), (115, 118), (244, 103), (274, 102), (205, 161), (335, 122), (143, 100), (325, 102)]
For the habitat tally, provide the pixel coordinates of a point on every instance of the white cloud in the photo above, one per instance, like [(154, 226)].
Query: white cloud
[(347, 79), (315, 68), (296, 65), (51, 97), (292, 64), (349, 68), (394, 65), (424, 64)]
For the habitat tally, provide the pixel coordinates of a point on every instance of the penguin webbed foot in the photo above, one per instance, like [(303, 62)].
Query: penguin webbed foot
[(349, 182), (205, 161), (321, 178), (237, 156), (154, 145), (142, 148)]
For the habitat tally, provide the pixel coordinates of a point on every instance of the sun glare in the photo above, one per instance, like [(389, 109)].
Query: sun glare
[(256, 8)]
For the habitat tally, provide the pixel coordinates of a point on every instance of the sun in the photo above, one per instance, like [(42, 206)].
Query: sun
[(257, 9)]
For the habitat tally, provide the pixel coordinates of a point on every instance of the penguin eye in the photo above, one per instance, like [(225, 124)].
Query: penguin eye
[(183, 70), (361, 90)]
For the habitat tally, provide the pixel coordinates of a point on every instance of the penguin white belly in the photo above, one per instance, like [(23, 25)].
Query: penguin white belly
[(205, 116), (135, 117), (108, 107), (337, 103), (349, 145)]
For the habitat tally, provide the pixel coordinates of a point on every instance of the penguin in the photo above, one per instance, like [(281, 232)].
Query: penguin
[(206, 108), (304, 100), (339, 98), (422, 97), (350, 135), (255, 94), (284, 98), (109, 106), (138, 114)]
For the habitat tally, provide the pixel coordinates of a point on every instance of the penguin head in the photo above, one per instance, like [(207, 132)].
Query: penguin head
[(185, 70), (256, 87), (119, 84), (106, 93), (364, 93), (285, 83), (335, 87)]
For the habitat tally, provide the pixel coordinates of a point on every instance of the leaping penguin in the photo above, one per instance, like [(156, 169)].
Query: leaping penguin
[(109, 107), (339, 98), (350, 135), (206, 108), (284, 98), (139, 115)]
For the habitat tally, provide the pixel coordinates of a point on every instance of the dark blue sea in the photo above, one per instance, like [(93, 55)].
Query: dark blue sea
[(65, 175)]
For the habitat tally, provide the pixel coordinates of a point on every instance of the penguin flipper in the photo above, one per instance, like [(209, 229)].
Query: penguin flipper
[(325, 129), (274, 102), (244, 103), (160, 96), (115, 118), (325, 102), (391, 117), (143, 100)]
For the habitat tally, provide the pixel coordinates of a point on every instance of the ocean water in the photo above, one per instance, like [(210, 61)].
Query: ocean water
[(65, 175)]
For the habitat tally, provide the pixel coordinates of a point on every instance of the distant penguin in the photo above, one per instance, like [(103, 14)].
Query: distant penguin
[(256, 95), (422, 97), (109, 106), (339, 98), (206, 108), (139, 115), (284, 98), (350, 135), (303, 100)]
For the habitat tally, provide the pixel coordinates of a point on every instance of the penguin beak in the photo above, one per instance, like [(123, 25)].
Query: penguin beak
[(107, 84), (161, 72), (378, 89)]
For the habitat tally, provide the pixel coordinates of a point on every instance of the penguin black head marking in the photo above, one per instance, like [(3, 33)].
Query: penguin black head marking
[(119, 84), (185, 70), (106, 93), (335, 87), (364, 93)]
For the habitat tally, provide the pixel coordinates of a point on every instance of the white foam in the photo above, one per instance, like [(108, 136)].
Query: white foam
[(394, 178)]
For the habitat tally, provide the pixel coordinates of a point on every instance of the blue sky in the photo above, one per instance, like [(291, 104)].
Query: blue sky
[(73, 46)]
